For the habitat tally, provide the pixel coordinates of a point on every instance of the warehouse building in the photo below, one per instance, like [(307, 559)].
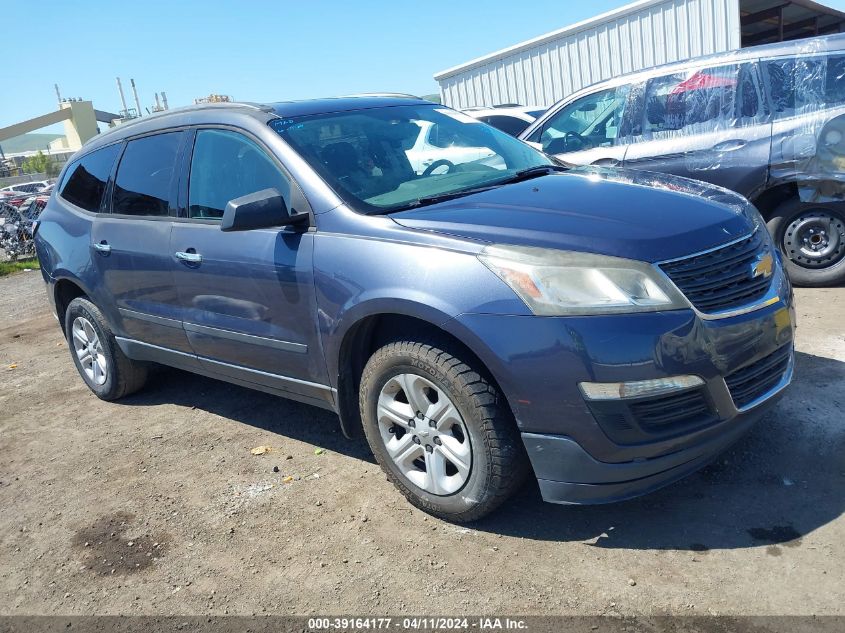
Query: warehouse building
[(647, 33)]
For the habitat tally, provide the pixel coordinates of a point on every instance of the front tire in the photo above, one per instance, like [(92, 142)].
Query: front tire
[(440, 430), (107, 371), (811, 237)]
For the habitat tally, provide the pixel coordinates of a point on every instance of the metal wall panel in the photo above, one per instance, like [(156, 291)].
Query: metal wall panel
[(546, 69)]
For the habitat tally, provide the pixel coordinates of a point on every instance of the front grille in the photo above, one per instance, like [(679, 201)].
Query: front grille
[(648, 419), (721, 279), (758, 378)]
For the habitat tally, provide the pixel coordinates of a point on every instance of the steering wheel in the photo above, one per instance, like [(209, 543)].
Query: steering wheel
[(575, 139), (438, 163)]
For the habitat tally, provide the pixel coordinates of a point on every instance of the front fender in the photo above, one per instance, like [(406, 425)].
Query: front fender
[(359, 278)]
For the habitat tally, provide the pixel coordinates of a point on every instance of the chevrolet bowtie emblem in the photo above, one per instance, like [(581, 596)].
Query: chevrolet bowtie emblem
[(762, 266)]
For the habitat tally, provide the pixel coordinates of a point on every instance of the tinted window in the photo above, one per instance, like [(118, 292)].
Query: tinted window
[(748, 92), (509, 124), (834, 90), (227, 165), (85, 179), (145, 175), (588, 122), (682, 101), (797, 85)]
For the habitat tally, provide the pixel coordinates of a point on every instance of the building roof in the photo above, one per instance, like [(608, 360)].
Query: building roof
[(756, 16), (634, 7)]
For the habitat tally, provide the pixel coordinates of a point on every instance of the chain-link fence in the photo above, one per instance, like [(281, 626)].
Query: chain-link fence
[(17, 227)]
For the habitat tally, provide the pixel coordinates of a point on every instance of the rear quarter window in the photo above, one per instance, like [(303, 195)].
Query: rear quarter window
[(798, 85), (85, 179), (145, 176)]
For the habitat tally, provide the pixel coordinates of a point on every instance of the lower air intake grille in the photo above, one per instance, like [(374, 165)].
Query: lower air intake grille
[(647, 419), (758, 378), (657, 413)]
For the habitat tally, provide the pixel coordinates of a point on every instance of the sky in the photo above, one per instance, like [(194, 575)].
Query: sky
[(255, 50)]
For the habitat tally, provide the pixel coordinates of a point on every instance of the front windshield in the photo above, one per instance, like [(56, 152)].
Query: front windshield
[(385, 159)]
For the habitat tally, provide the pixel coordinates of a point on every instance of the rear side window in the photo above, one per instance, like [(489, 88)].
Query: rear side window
[(227, 165), (509, 124), (799, 85), (85, 179), (145, 176)]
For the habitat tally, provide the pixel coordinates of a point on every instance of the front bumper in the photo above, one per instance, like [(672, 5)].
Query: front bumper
[(576, 454), (566, 473)]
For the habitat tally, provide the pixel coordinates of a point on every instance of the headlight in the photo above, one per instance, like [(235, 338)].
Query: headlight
[(553, 282)]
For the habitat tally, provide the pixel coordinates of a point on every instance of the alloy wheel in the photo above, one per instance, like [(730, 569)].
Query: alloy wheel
[(89, 350)]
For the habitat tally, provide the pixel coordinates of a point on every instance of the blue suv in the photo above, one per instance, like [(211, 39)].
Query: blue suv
[(478, 310)]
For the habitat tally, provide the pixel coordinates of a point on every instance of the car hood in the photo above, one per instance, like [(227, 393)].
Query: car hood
[(635, 214)]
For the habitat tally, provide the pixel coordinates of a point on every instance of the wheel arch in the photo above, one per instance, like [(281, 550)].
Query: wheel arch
[(770, 198), (773, 196), (374, 330), (66, 290)]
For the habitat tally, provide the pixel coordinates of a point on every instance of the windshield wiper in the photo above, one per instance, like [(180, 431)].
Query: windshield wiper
[(524, 174), (533, 172), (441, 197)]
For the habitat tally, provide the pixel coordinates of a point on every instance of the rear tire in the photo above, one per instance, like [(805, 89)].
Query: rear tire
[(811, 238), (459, 463), (107, 371)]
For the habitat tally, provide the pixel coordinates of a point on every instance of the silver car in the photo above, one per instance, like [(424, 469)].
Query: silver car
[(767, 122)]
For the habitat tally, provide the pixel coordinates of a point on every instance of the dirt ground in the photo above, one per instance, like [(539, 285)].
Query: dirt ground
[(155, 505)]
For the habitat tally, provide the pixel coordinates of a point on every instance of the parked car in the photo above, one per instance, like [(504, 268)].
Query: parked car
[(17, 199), (28, 187), (510, 117), (767, 122), (435, 149), (611, 330)]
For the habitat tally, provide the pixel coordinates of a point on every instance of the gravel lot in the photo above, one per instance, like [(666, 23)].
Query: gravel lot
[(155, 505)]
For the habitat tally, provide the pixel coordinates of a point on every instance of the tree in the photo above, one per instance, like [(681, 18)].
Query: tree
[(40, 164)]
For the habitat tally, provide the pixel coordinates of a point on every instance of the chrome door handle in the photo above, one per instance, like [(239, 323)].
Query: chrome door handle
[(191, 258), (103, 248)]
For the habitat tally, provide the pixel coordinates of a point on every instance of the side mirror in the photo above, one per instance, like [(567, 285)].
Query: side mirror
[(260, 210)]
